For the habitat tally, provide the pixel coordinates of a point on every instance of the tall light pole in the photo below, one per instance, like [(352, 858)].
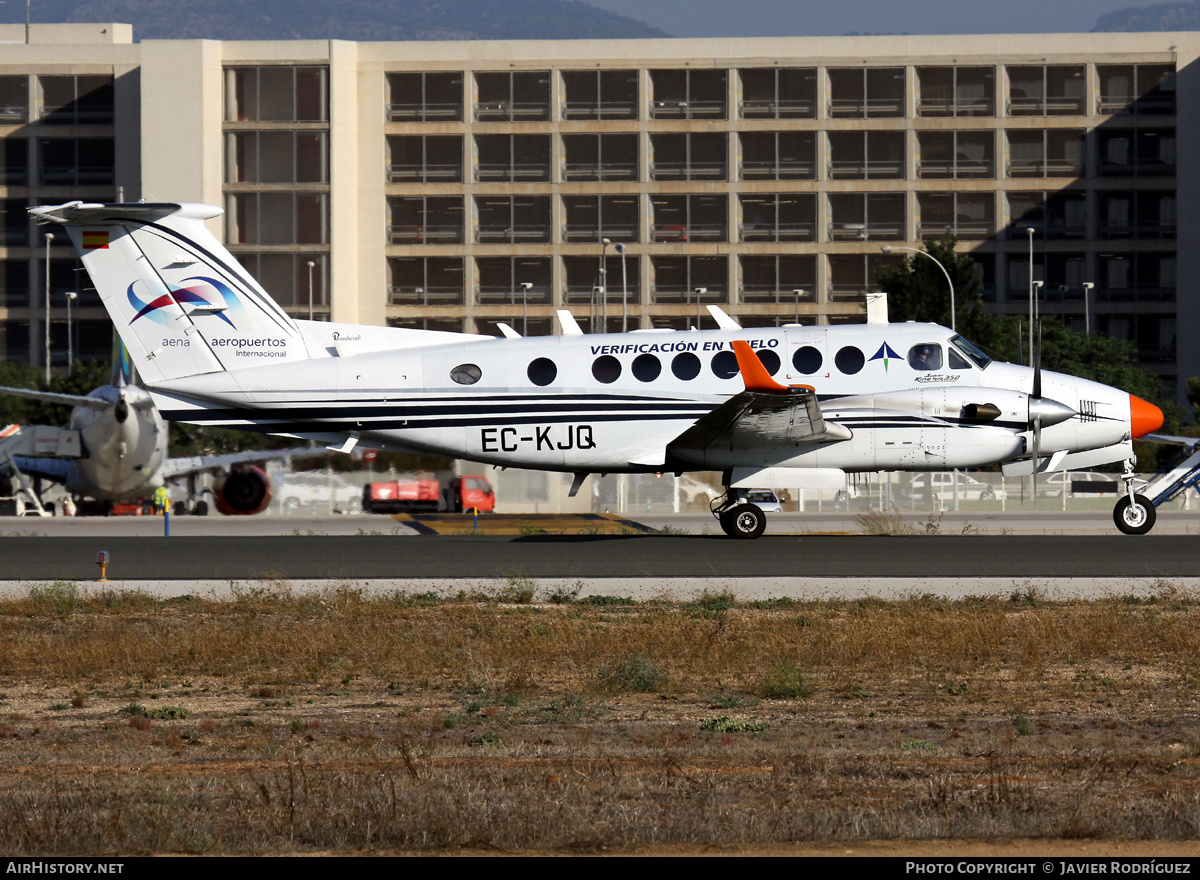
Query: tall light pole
[(887, 249), (525, 285), (1029, 231), (1087, 315), (798, 293), (700, 291), (624, 291), (311, 264), (49, 238), (604, 243), (71, 295)]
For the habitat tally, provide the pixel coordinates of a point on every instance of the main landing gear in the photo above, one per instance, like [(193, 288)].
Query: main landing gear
[(1134, 513), (737, 516)]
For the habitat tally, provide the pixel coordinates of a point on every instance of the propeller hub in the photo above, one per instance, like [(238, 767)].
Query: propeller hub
[(1049, 412)]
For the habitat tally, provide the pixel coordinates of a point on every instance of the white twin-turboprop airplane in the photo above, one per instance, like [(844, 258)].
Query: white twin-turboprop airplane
[(789, 407)]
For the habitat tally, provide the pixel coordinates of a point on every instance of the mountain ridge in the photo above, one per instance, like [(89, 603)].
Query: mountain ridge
[(360, 20)]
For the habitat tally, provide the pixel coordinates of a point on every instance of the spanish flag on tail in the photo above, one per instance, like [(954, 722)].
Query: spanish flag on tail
[(95, 239)]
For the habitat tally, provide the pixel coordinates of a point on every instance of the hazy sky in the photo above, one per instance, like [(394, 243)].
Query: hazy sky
[(765, 18)]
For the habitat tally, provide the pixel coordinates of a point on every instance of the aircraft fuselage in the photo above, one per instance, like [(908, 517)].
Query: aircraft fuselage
[(615, 402)]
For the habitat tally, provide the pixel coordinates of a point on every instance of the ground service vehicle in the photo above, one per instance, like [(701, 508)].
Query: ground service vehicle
[(425, 496)]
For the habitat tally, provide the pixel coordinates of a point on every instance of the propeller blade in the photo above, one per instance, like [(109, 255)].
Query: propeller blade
[(1037, 363), (1037, 453)]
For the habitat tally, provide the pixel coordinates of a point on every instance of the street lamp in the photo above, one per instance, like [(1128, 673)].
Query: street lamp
[(798, 294), (1029, 231), (1087, 317), (887, 249), (624, 292), (604, 243), (71, 296), (525, 285), (700, 291), (311, 264), (49, 238)]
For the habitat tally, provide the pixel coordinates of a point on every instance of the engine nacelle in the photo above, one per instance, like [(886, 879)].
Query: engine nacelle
[(243, 492)]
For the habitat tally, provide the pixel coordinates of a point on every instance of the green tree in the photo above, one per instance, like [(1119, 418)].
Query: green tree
[(917, 291)]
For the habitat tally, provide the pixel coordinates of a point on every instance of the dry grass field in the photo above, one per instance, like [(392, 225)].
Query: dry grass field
[(503, 721)]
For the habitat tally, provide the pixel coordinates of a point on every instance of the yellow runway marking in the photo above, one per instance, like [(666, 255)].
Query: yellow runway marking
[(520, 524)]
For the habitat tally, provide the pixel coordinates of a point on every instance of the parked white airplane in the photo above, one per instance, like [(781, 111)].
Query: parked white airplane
[(791, 407), (124, 445)]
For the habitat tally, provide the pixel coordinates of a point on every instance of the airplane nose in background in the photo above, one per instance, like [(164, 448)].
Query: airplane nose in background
[(1144, 418)]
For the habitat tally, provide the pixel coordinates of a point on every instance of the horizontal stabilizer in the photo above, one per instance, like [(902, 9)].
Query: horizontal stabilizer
[(60, 399)]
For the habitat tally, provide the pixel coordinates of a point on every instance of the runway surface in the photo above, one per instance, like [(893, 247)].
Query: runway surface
[(599, 556), (1064, 555)]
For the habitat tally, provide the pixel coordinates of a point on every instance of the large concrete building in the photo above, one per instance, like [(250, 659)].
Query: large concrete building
[(456, 185)]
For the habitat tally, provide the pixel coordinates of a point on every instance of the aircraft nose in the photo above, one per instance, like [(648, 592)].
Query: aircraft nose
[(1144, 418)]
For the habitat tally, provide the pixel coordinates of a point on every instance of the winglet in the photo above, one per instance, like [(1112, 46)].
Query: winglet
[(754, 374)]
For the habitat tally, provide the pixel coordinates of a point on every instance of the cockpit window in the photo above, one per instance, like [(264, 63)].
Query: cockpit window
[(966, 347), (957, 361), (925, 356)]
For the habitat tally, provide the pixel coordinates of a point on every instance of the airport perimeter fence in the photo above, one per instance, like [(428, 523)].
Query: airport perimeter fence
[(319, 493)]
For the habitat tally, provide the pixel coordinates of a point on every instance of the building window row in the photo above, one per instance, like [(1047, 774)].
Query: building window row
[(56, 100), (775, 93), (63, 161), (281, 156), (762, 279), (758, 217)]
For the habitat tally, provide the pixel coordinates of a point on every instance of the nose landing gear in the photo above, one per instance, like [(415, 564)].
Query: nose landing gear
[(1134, 513)]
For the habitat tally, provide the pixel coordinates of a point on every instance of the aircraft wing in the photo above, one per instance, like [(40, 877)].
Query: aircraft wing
[(758, 420), (181, 467), (58, 470), (766, 415), (1188, 442), (51, 397)]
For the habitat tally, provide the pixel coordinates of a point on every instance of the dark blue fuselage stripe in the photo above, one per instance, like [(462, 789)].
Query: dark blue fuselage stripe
[(406, 411)]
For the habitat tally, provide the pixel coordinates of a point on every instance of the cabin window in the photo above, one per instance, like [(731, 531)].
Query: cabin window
[(542, 371), (724, 365), (606, 369), (769, 359), (849, 360), (685, 366), (466, 374), (646, 367), (925, 356), (807, 360)]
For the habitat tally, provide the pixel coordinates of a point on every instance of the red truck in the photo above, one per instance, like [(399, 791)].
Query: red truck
[(426, 496)]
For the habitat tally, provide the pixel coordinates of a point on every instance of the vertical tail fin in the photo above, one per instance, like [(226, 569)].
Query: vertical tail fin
[(179, 300)]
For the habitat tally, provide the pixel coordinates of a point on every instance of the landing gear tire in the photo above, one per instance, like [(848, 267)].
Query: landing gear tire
[(1135, 518), (743, 521), (201, 509)]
